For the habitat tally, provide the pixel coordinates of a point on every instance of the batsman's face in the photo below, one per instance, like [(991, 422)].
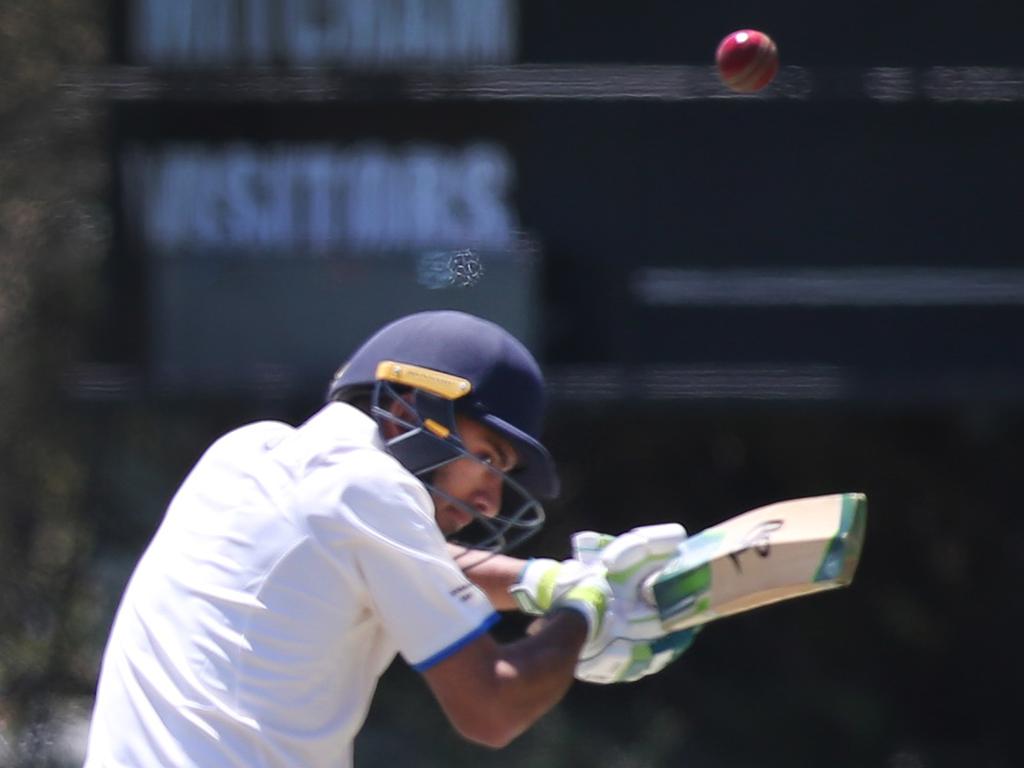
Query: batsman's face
[(473, 481)]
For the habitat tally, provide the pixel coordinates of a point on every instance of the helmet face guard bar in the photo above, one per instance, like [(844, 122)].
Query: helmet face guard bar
[(504, 531), (429, 439)]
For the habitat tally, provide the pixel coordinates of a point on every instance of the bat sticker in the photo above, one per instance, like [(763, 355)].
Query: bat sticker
[(757, 539)]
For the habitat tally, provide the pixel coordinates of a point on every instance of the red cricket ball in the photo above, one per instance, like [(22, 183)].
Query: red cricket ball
[(747, 60)]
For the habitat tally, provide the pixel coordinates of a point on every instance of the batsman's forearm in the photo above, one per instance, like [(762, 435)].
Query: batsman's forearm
[(494, 574), (491, 692), (536, 672)]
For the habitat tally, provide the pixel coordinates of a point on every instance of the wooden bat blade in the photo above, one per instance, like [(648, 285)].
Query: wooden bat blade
[(773, 553)]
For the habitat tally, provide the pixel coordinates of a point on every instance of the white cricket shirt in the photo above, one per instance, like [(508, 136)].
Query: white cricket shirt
[(291, 566)]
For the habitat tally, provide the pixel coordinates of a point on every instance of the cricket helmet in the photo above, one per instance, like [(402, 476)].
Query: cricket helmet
[(447, 363)]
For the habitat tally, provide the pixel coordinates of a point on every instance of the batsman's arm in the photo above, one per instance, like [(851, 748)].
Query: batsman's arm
[(491, 692), (531, 586), (494, 574)]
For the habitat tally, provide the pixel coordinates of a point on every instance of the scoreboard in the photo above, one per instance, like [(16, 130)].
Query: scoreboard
[(292, 173)]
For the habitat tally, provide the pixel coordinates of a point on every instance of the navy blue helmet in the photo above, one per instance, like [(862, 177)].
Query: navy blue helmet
[(448, 363)]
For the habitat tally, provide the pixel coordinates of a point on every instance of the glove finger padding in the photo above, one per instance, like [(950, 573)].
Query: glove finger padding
[(633, 643), (587, 546), (635, 554), (624, 660), (629, 560)]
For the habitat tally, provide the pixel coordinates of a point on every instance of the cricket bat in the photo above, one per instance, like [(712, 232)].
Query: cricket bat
[(772, 553)]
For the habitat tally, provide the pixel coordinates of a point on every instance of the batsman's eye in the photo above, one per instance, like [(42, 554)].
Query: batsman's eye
[(497, 459)]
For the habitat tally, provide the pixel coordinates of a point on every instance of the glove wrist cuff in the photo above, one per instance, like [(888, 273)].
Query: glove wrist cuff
[(535, 587)]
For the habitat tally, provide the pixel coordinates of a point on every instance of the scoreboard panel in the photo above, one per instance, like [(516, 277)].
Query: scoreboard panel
[(852, 230)]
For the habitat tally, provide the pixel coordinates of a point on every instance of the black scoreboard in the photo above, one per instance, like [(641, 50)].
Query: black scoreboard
[(294, 172)]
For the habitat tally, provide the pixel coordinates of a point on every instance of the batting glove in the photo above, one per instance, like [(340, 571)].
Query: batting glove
[(632, 643), (543, 580), (628, 561), (592, 597), (622, 660)]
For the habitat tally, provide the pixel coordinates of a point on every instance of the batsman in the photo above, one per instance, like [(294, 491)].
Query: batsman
[(294, 563)]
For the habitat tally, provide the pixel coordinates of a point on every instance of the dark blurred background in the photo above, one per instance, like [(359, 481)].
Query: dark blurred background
[(205, 204)]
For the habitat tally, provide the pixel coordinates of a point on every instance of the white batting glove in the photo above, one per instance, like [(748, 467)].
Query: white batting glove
[(592, 597), (543, 580), (628, 560), (588, 545), (623, 660), (632, 643)]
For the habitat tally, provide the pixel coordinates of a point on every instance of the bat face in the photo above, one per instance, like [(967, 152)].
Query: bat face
[(773, 553)]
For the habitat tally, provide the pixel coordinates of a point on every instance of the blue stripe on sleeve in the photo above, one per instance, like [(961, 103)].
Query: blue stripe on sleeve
[(489, 622)]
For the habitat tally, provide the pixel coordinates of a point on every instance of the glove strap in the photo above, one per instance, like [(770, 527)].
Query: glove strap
[(535, 588)]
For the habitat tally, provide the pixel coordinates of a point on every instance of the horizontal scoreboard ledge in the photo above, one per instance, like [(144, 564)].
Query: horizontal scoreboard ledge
[(541, 82)]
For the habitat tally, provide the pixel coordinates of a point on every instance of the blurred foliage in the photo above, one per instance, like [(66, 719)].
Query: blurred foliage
[(53, 236)]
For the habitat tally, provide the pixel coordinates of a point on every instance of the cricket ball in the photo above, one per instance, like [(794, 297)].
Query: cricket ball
[(747, 60)]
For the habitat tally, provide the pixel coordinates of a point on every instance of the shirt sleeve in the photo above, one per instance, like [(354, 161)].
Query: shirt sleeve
[(423, 599)]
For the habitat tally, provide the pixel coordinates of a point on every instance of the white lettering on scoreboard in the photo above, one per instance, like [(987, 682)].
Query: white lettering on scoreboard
[(310, 200), (189, 33)]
